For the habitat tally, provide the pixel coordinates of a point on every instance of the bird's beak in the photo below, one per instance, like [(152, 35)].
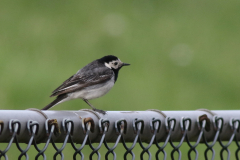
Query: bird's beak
[(125, 64)]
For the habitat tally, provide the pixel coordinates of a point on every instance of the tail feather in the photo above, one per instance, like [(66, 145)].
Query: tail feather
[(57, 100)]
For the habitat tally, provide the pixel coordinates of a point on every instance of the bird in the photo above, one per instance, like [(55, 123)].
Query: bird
[(90, 82)]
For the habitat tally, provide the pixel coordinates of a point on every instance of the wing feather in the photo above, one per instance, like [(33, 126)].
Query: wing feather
[(63, 84), (84, 78)]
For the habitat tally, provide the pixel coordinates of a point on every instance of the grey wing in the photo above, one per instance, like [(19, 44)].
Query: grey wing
[(84, 79), (63, 84)]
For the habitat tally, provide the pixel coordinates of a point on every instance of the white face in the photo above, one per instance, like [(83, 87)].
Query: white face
[(115, 64)]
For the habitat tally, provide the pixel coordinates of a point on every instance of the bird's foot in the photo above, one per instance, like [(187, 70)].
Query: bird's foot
[(100, 111)]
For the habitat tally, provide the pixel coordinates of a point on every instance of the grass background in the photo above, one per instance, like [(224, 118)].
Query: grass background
[(183, 55)]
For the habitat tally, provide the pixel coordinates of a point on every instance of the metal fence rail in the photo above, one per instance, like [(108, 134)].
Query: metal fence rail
[(86, 127)]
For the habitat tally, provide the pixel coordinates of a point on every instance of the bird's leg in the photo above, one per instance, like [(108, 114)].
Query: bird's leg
[(85, 100), (95, 109)]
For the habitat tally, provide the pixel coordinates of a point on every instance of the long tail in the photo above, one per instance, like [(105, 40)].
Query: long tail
[(56, 101)]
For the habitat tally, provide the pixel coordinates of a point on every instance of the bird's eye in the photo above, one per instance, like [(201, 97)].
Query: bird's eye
[(115, 63)]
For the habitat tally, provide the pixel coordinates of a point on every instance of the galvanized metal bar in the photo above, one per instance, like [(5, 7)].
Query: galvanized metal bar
[(78, 134)]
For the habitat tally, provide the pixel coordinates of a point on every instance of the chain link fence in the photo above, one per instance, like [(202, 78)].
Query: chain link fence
[(144, 128)]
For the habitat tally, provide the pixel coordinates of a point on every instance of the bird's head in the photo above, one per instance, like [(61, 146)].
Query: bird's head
[(113, 62)]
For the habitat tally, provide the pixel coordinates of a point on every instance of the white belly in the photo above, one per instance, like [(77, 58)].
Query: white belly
[(93, 91)]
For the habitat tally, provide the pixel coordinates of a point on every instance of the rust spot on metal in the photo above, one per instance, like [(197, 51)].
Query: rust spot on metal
[(1, 125), (89, 119), (55, 123), (208, 123)]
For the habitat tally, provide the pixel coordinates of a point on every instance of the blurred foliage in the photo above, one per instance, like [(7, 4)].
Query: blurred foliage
[(183, 55)]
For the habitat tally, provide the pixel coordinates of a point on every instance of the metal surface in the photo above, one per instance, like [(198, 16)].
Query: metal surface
[(151, 126)]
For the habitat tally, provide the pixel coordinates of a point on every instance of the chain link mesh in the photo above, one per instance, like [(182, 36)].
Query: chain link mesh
[(154, 127)]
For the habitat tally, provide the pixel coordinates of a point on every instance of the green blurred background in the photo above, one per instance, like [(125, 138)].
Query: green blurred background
[(183, 55)]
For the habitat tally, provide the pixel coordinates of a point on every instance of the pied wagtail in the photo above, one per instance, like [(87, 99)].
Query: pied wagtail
[(92, 81)]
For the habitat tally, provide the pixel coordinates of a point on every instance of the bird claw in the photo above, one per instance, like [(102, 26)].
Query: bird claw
[(100, 111)]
